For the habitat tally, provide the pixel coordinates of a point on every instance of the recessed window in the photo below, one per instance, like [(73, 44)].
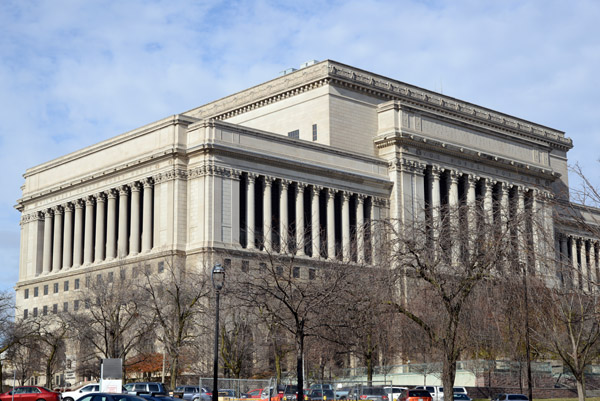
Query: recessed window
[(26, 293), (110, 277), (46, 289), (245, 266), (87, 281), (161, 267), (76, 305), (55, 309), (76, 284), (25, 314), (34, 312), (123, 273), (295, 134), (314, 132), (312, 274), (296, 272), (56, 288), (262, 265), (66, 286), (226, 263), (45, 310), (35, 291), (279, 270), (99, 279), (66, 307)]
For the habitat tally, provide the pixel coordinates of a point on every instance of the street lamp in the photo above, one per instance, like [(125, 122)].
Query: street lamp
[(218, 280)]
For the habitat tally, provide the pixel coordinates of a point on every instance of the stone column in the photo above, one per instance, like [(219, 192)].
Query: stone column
[(284, 233), (78, 235), (504, 202), (123, 237), (593, 263), (488, 208), (47, 251), (147, 215), (360, 228), (250, 216), (454, 219), (575, 264), (99, 247), (472, 210), (267, 214), (537, 221), (88, 238), (67, 261), (300, 219), (111, 223), (136, 209), (435, 197), (57, 240), (521, 229), (315, 223), (564, 260), (585, 276), (346, 226), (330, 224)]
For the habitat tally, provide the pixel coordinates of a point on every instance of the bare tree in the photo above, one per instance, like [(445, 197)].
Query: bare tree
[(49, 341), (177, 297), (439, 264)]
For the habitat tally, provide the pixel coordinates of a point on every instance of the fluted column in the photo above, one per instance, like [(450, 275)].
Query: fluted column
[(88, 238), (521, 229), (250, 213), (78, 234), (504, 202), (123, 238), (584, 270), (575, 264), (593, 260), (136, 208), (564, 260), (67, 254), (536, 227), (300, 219), (99, 247), (453, 213), (147, 215), (47, 250), (472, 211), (487, 201), (330, 223), (435, 197), (284, 228), (360, 228), (315, 225), (57, 239), (346, 225), (267, 214), (111, 225)]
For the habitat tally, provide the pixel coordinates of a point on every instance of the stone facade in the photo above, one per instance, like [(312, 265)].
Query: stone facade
[(304, 163)]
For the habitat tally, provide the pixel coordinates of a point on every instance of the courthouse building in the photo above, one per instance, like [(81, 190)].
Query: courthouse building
[(302, 164)]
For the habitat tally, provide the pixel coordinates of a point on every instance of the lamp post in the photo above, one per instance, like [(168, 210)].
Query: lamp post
[(218, 280)]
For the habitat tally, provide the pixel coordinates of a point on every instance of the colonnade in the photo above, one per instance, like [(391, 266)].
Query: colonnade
[(579, 264), (114, 223), (290, 217)]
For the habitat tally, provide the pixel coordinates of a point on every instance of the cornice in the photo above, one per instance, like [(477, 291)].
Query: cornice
[(402, 138)]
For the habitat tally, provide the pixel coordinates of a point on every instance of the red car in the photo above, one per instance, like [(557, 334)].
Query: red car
[(30, 393), (253, 394)]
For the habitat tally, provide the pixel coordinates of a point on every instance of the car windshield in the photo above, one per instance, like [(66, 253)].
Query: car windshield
[(418, 393), (374, 391)]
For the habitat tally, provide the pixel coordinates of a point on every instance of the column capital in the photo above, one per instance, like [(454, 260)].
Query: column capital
[(330, 192), (136, 186), (100, 197), (57, 210), (79, 203), (472, 180), (504, 187), (90, 200), (147, 182), (453, 175), (436, 171), (301, 187), (285, 182), (252, 176), (48, 213), (317, 189), (68, 207), (123, 190), (111, 193), (346, 195), (361, 198), (488, 182), (236, 174), (269, 181)]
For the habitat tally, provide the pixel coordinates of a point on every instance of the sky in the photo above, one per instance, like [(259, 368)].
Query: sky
[(73, 73)]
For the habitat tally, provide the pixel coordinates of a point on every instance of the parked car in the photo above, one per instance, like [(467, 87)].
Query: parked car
[(318, 395), (368, 393), (227, 393), (511, 397), (111, 397), (146, 388), (76, 394), (459, 390), (318, 386), (394, 392), (186, 392), (461, 397), (205, 394), (255, 393), (287, 391), (30, 393), (436, 392), (415, 395), (342, 393)]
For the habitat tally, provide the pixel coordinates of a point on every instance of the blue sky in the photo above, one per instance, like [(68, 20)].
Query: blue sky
[(73, 73)]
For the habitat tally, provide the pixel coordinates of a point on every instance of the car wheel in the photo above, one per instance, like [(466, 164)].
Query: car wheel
[(67, 399)]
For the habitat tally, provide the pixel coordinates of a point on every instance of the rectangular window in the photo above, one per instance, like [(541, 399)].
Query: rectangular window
[(311, 274), (147, 270), (55, 309), (46, 289), (66, 307), (56, 288), (26, 293), (279, 270), (110, 277), (87, 304), (226, 263), (99, 279), (296, 272), (25, 313), (161, 267), (314, 132), (76, 305), (45, 310), (87, 281), (122, 273), (245, 266), (76, 284), (295, 134), (35, 291), (262, 265), (34, 312), (66, 286)]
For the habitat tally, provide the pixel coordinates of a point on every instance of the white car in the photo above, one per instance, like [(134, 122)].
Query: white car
[(77, 394), (394, 392)]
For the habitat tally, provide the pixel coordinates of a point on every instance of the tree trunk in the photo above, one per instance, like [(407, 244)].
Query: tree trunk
[(277, 366), (369, 361), (174, 367), (580, 387), (299, 364), (1, 378), (449, 375)]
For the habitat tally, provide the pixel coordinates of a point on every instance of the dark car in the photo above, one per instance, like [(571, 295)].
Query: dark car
[(368, 393), (111, 397), (30, 393), (511, 397), (461, 397), (318, 395), (146, 388)]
